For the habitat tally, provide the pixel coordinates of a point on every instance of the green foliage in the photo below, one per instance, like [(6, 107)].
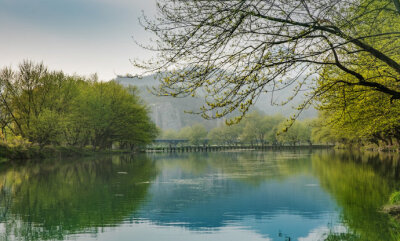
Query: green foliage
[(169, 134), (255, 129), (18, 142), (196, 134), (342, 237), (51, 108), (46, 128), (299, 132), (235, 51), (258, 128), (351, 112), (225, 134), (394, 198)]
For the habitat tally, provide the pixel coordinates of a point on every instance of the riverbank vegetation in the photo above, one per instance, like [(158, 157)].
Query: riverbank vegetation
[(255, 129), (357, 116), (39, 108)]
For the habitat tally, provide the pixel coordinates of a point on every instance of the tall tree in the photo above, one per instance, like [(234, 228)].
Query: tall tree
[(237, 50), (49, 107)]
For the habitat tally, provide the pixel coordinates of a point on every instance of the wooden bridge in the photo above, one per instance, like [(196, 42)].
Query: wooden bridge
[(210, 148)]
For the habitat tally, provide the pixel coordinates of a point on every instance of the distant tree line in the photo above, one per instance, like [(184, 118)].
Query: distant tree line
[(254, 129), (52, 108)]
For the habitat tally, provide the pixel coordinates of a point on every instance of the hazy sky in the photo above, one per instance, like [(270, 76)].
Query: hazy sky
[(76, 36)]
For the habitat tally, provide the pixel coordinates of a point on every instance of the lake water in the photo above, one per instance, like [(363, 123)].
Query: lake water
[(224, 196)]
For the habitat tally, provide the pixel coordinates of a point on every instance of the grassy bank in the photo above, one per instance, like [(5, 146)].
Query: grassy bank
[(393, 206), (8, 152), (369, 147)]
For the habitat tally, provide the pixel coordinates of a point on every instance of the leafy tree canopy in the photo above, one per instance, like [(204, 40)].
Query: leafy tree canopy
[(49, 107), (237, 50)]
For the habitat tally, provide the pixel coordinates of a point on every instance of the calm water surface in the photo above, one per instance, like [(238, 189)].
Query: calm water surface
[(225, 196)]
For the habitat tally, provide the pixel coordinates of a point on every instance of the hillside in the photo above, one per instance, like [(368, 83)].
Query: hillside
[(169, 112)]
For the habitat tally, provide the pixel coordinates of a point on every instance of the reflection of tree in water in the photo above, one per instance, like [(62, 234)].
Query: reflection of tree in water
[(54, 199), (5, 205), (360, 184), (249, 167), (342, 237), (51, 200)]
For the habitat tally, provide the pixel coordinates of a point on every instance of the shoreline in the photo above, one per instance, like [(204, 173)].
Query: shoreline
[(8, 154)]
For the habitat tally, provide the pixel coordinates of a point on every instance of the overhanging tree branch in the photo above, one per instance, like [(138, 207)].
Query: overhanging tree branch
[(397, 5), (234, 50)]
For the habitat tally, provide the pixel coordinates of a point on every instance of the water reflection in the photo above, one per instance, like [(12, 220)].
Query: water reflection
[(51, 200), (196, 196), (264, 192), (361, 184)]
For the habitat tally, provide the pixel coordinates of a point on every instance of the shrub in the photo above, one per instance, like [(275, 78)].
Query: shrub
[(395, 198)]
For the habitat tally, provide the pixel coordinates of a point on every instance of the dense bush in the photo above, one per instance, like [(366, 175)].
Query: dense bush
[(45, 107)]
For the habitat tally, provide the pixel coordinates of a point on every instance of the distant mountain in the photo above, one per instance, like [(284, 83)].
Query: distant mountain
[(169, 112), (166, 111), (146, 81), (264, 104)]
